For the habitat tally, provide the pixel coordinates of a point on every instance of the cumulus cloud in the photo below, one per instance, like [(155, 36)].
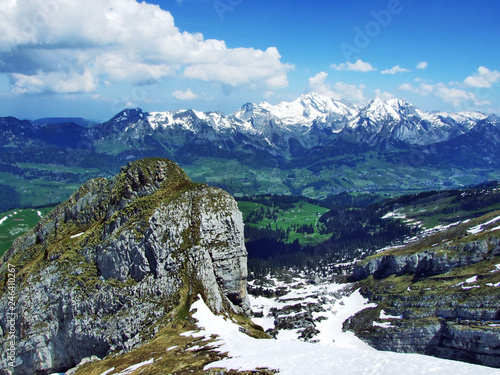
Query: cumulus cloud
[(394, 70), (483, 78), (66, 83), (461, 99), (358, 66), (384, 95), (338, 91), (45, 44), (423, 89), (184, 95), (422, 65)]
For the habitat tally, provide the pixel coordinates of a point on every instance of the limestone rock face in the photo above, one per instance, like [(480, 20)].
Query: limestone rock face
[(428, 262), (112, 264), (445, 293)]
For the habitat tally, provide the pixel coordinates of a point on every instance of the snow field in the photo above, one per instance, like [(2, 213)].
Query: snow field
[(295, 357)]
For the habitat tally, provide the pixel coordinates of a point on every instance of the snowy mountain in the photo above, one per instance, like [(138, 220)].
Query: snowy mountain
[(307, 122), (325, 137), (311, 109), (397, 120)]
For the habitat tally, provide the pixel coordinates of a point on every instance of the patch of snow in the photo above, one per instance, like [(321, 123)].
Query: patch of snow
[(493, 285), (131, 369), (172, 348), (394, 215), (200, 115), (497, 268), (3, 219), (470, 287), (479, 228), (384, 316), (296, 357), (39, 214), (288, 335), (476, 229), (78, 235), (331, 333), (471, 280), (108, 371), (382, 325), (468, 281)]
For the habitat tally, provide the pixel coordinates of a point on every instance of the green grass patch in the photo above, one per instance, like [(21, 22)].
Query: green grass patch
[(293, 220), (15, 223)]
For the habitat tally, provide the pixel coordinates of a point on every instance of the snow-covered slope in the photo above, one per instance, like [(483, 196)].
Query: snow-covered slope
[(187, 120), (398, 120), (310, 108), (346, 355)]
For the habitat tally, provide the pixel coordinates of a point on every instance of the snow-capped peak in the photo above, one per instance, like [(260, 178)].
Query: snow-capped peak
[(313, 118), (309, 108), (378, 111)]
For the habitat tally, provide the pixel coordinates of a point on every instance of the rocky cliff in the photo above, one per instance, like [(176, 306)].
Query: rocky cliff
[(438, 296), (116, 262)]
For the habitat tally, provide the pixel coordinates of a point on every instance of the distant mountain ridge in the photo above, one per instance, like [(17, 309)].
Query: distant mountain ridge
[(312, 115), (337, 146), (312, 120), (65, 120)]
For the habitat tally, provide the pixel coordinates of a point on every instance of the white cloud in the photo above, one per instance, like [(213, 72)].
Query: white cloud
[(53, 82), (242, 66), (338, 91), (422, 65), (423, 89), (351, 92), (406, 87), (358, 66), (118, 40), (184, 95), (461, 99), (483, 78), (394, 70), (384, 95)]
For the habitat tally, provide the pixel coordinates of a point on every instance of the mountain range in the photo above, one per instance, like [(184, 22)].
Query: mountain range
[(312, 146), (309, 121)]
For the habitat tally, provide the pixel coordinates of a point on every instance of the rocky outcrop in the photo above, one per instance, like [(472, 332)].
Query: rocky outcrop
[(461, 340), (122, 257), (428, 262), (444, 291)]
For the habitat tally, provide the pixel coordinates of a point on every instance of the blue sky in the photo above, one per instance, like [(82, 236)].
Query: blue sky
[(95, 58)]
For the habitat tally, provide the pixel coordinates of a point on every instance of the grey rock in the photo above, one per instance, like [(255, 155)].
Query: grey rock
[(150, 236), (428, 262)]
